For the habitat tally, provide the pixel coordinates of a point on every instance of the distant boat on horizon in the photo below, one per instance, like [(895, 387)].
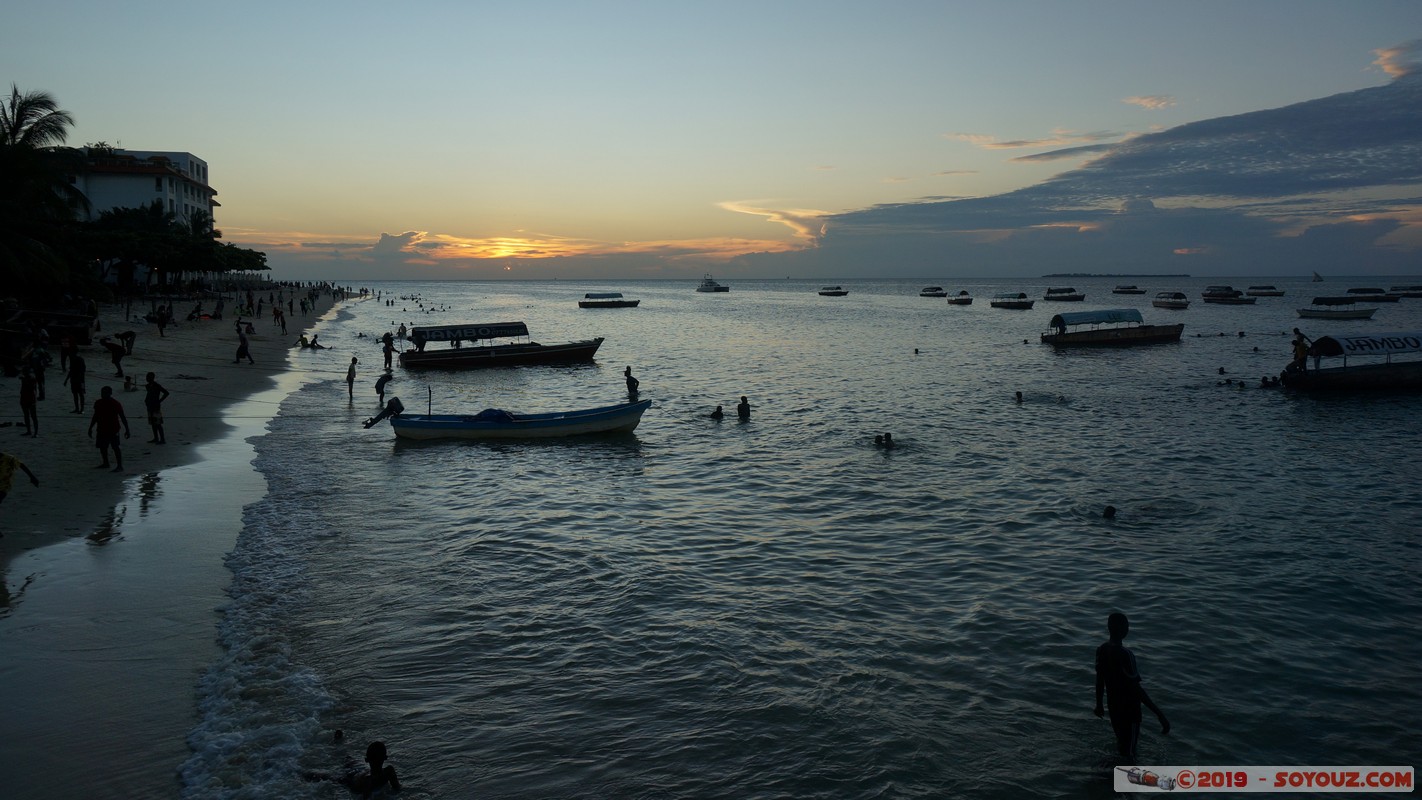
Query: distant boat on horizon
[(1317, 278)]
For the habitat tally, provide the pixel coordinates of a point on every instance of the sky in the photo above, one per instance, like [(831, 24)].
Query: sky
[(837, 140)]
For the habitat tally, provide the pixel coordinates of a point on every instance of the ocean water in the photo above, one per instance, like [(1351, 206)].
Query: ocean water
[(777, 608)]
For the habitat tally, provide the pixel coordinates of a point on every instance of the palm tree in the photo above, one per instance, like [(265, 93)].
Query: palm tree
[(37, 200)]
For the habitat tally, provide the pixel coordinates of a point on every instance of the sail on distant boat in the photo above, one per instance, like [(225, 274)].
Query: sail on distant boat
[(1317, 278)]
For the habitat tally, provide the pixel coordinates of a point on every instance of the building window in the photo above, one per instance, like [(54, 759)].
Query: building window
[(158, 184)]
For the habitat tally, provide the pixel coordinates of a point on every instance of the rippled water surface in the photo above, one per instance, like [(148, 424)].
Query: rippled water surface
[(778, 608)]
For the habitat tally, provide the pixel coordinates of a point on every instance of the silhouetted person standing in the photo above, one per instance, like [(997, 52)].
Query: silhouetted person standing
[(108, 416), (350, 378), (743, 409), (153, 402), (632, 384), (1118, 678), (75, 378)]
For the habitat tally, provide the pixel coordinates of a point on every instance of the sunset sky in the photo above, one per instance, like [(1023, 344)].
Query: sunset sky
[(766, 139)]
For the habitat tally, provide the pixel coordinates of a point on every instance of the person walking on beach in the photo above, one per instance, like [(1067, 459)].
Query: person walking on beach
[(632, 384), (244, 347), (29, 403), (75, 378), (350, 378), (116, 354), (108, 416), (1118, 678), (743, 409), (153, 401)]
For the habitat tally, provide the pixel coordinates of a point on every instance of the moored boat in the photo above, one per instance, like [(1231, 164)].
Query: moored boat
[(962, 298), (1132, 289), (1405, 291), (1175, 300), (1065, 293), (932, 291), (1113, 327), (1226, 295), (709, 285), (496, 423), (606, 300), (1014, 300), (1373, 295), (833, 291), (490, 355), (1264, 291), (1336, 308), (1379, 362)]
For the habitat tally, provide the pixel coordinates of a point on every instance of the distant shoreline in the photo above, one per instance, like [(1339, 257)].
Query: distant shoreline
[(1112, 275)]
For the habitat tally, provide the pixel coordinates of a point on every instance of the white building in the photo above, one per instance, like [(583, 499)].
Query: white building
[(135, 178)]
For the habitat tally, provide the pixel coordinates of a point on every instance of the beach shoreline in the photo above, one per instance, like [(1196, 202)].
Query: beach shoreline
[(194, 361)]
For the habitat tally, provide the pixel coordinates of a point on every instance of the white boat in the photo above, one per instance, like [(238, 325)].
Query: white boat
[(1226, 295), (1264, 291), (1336, 308), (709, 285), (1066, 293), (1132, 289), (1016, 301), (1176, 300), (496, 423), (962, 298), (833, 291), (932, 291)]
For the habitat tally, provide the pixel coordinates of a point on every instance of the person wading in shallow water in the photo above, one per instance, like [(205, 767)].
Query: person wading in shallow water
[(1118, 678)]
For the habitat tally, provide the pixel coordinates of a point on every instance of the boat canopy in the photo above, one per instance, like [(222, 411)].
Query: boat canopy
[(603, 296), (450, 333), (1374, 344), (1096, 317)]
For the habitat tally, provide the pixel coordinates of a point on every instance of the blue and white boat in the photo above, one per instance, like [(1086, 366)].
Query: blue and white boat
[(494, 423)]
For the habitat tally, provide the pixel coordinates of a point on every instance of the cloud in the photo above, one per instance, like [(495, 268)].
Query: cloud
[(806, 224), (1059, 138), (1069, 152), (1403, 59), (1152, 102), (949, 172)]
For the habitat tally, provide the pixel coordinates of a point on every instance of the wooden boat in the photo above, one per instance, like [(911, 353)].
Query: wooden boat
[(1014, 300), (833, 291), (962, 298), (1264, 291), (1373, 295), (1379, 362), (1114, 327), (1176, 300), (1128, 290), (709, 285), (1226, 295), (932, 291), (490, 355), (1405, 291), (495, 423), (1334, 308), (1317, 278), (606, 300), (1067, 293)]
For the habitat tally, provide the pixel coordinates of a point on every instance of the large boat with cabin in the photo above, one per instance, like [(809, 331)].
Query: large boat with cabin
[(932, 291), (520, 353), (1112, 327), (710, 285), (1366, 362)]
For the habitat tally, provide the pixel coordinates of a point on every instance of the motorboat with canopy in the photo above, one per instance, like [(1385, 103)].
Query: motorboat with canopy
[(456, 356), (1112, 327), (1367, 362)]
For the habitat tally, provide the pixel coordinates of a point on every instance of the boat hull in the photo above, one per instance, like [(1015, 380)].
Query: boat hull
[(1329, 313), (960, 301), (1116, 337), (504, 355), (1015, 305), (838, 293), (610, 419), (1231, 301), (1406, 376), (608, 303), (713, 288), (1175, 304)]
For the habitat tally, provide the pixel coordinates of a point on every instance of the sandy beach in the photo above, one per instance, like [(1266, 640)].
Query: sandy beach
[(194, 361)]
